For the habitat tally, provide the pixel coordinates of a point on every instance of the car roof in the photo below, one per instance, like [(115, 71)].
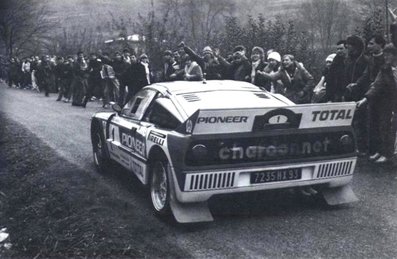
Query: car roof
[(183, 87), (219, 94)]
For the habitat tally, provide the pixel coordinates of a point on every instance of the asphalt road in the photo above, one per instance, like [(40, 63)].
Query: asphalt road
[(257, 225)]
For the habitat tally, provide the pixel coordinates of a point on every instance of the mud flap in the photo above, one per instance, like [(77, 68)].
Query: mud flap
[(339, 195), (188, 212), (191, 212)]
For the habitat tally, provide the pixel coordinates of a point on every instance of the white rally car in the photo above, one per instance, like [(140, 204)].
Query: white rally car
[(189, 141)]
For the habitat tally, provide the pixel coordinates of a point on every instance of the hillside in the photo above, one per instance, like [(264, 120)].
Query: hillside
[(92, 12)]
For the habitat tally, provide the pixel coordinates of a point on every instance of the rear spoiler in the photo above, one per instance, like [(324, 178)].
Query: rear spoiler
[(304, 116)]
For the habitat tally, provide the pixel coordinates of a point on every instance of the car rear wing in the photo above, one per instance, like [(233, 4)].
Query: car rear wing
[(304, 116)]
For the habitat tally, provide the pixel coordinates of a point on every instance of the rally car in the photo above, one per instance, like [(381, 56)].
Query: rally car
[(189, 141)]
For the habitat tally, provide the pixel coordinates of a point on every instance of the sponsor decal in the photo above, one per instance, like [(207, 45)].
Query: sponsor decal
[(258, 152), (156, 137), (222, 119), (133, 143), (189, 126), (136, 168), (332, 115)]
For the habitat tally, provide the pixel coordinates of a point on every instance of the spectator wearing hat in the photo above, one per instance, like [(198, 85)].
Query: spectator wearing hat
[(208, 63), (273, 65), (257, 64), (239, 68), (383, 94), (320, 89)]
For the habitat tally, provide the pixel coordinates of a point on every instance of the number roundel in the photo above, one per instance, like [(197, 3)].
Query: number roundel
[(278, 119)]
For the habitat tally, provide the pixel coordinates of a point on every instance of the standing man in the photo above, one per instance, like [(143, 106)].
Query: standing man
[(44, 71), (80, 80), (58, 76), (94, 80), (375, 62), (168, 68), (334, 81), (383, 94), (138, 77), (125, 77), (208, 63), (239, 68)]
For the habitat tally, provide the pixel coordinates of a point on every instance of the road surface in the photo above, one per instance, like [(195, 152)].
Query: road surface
[(256, 225)]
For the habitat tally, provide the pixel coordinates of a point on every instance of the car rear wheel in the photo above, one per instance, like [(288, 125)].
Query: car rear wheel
[(159, 188), (102, 163)]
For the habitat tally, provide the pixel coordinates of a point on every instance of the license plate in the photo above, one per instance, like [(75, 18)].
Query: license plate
[(276, 175)]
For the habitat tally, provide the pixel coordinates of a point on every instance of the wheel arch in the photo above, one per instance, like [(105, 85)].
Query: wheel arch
[(155, 153), (97, 125)]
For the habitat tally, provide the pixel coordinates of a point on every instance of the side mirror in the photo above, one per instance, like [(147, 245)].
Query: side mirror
[(116, 107)]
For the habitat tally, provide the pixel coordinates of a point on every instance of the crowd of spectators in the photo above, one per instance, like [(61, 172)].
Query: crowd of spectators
[(357, 72)]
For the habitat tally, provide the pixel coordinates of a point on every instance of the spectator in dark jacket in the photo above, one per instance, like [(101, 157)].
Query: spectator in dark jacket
[(45, 70), (257, 64), (355, 65), (120, 67), (240, 68), (168, 68), (335, 81), (80, 80), (137, 72), (208, 63), (13, 73), (375, 62), (383, 94)]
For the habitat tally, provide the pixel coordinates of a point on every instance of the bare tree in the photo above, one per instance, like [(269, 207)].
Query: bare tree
[(23, 23), (326, 21)]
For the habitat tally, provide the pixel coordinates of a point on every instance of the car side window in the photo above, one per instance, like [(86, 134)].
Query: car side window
[(137, 106), (161, 116)]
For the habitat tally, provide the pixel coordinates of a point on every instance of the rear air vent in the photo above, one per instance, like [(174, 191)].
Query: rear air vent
[(209, 181), (335, 169), (191, 97), (263, 96)]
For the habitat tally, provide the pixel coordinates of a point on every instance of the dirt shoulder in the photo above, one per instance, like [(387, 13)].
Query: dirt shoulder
[(51, 208)]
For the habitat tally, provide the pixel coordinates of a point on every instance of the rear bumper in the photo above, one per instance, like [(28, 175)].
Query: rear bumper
[(199, 186)]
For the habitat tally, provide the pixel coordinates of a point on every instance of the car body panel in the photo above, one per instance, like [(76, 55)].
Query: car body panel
[(223, 134)]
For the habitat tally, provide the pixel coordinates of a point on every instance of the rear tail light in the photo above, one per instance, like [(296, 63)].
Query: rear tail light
[(199, 152)]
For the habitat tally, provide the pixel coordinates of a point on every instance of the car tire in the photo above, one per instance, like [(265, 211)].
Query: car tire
[(159, 187), (101, 161)]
